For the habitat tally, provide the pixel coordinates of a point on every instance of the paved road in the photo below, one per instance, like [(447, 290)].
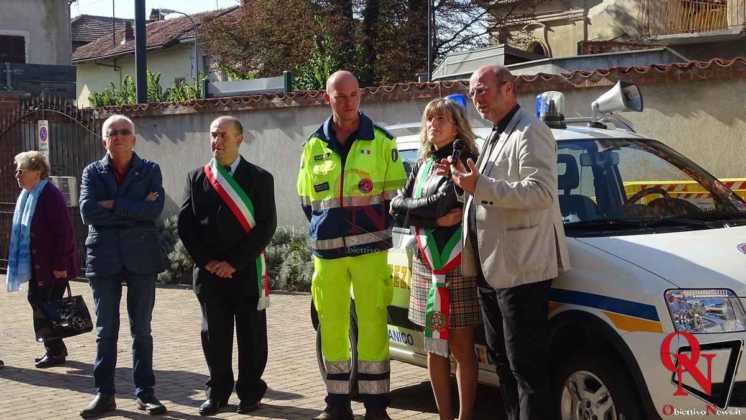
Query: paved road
[(296, 390)]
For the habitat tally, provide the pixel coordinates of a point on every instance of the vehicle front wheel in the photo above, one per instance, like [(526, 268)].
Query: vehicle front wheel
[(593, 387)]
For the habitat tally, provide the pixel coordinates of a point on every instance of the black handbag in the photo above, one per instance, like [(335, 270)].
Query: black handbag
[(61, 318)]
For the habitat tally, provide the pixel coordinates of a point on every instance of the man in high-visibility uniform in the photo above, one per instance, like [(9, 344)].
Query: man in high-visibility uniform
[(350, 170)]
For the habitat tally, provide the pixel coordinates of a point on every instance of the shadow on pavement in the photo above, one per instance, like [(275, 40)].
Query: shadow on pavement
[(281, 395), (420, 398), (78, 376)]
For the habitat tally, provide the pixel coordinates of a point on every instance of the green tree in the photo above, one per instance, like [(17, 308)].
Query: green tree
[(381, 41)]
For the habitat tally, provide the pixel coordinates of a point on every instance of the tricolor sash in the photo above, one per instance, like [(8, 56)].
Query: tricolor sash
[(440, 262), (243, 210)]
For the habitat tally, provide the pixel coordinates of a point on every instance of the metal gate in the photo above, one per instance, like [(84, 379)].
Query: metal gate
[(74, 141)]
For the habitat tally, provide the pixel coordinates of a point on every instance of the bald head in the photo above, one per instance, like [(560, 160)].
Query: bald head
[(492, 90), (343, 96), (492, 73), (341, 78), (231, 121)]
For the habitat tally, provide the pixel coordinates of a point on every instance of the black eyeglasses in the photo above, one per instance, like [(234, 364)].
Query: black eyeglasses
[(122, 132)]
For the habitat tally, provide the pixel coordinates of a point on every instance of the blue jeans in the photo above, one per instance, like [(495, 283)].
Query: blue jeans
[(107, 292)]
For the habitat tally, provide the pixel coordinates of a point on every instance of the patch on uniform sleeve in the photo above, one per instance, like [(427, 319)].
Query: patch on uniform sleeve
[(321, 187), (394, 155)]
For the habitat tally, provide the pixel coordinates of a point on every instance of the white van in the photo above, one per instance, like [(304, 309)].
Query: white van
[(659, 270)]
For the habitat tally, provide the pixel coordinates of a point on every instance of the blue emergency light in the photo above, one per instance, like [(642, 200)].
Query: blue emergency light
[(458, 98), (550, 108)]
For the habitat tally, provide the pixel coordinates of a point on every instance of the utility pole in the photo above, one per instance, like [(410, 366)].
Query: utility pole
[(141, 68), (429, 41), (113, 25)]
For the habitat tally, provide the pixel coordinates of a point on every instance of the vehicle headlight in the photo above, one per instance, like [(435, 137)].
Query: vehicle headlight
[(702, 311)]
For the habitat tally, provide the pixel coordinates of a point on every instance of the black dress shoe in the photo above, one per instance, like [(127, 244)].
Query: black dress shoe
[(103, 403), (151, 405), (335, 412), (63, 354), (211, 407), (1, 364), (246, 407), (48, 361)]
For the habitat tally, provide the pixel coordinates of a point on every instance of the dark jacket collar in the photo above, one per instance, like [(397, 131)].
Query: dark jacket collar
[(135, 163), (364, 130), (503, 123), (444, 152)]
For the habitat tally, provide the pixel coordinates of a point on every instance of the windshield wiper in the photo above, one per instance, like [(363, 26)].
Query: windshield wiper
[(679, 221), (607, 224), (621, 224)]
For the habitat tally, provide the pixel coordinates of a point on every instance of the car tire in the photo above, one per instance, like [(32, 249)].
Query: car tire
[(353, 348), (594, 387)]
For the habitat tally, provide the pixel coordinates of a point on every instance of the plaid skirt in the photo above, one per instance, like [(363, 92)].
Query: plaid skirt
[(462, 291)]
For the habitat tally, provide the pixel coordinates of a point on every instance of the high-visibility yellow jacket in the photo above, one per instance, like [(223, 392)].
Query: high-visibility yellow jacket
[(346, 200)]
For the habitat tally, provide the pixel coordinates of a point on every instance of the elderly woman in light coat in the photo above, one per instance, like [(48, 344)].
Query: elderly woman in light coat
[(42, 246)]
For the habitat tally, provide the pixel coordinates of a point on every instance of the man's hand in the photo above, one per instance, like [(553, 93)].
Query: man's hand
[(222, 269), (59, 274), (452, 218), (151, 196), (467, 180), (107, 204)]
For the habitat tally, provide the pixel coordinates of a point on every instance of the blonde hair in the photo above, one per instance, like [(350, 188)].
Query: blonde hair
[(455, 112), (33, 161), (113, 119)]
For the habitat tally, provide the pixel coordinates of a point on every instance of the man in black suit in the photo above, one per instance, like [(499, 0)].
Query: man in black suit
[(227, 219)]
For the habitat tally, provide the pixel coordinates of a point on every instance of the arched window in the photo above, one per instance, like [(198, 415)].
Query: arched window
[(537, 48)]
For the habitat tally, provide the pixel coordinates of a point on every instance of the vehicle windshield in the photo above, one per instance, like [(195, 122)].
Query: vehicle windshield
[(628, 185)]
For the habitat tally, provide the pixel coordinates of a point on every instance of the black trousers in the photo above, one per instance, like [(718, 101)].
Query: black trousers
[(36, 296), (218, 315), (516, 327)]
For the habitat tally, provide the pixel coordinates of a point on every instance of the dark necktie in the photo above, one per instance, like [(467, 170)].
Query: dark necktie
[(228, 169)]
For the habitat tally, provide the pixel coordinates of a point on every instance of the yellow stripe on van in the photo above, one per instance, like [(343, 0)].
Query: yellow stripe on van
[(633, 324)]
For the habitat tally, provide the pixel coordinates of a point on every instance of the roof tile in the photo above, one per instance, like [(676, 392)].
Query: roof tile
[(715, 69), (158, 35)]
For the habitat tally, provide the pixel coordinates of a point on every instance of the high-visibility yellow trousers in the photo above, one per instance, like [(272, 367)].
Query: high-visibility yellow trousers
[(370, 276)]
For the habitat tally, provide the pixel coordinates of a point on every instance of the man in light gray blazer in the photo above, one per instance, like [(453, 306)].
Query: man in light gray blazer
[(514, 240)]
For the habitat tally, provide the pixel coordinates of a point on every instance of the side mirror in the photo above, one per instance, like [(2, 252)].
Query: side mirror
[(624, 96)]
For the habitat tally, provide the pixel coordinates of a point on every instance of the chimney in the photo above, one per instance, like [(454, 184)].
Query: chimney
[(129, 34)]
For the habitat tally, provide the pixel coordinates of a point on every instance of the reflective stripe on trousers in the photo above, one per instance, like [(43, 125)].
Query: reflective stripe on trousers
[(337, 377), (373, 377), (352, 240)]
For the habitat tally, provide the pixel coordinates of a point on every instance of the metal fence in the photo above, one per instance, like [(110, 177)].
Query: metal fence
[(74, 141)]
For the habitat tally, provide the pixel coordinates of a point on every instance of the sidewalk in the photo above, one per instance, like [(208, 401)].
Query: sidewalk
[(296, 389)]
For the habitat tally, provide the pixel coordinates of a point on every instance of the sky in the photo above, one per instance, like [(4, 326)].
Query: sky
[(126, 8)]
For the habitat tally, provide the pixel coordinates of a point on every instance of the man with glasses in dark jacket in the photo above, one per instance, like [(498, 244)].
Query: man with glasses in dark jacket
[(121, 197)]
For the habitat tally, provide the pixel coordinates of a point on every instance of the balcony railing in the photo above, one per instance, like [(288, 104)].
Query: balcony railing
[(662, 17)]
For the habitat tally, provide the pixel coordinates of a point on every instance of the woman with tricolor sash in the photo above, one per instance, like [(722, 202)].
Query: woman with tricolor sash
[(442, 300)]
